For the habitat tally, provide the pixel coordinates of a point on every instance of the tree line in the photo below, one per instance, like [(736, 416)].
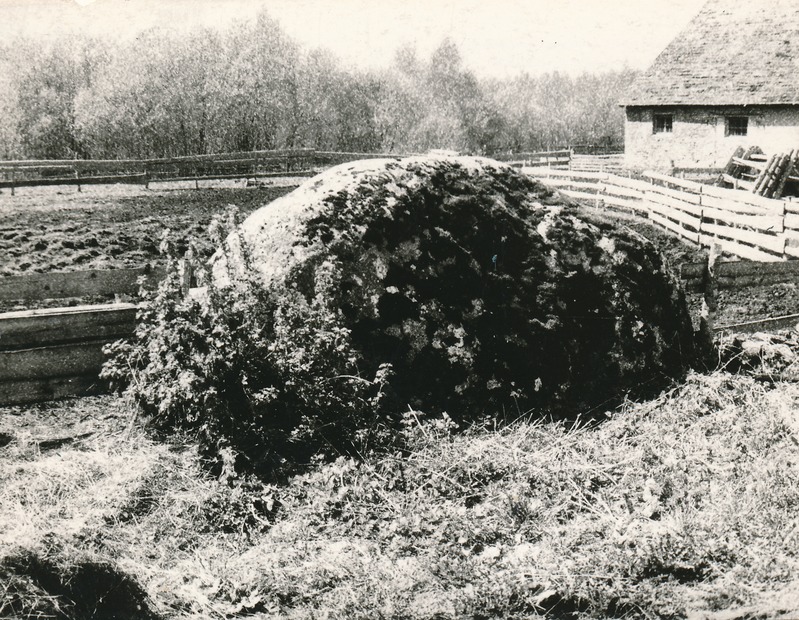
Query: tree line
[(252, 87)]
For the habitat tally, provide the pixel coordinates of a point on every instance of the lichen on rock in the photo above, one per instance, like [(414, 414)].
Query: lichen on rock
[(484, 290)]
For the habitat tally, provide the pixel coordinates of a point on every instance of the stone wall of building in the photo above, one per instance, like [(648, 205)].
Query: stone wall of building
[(699, 139)]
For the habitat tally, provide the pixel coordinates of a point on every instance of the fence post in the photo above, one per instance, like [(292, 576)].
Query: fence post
[(186, 267), (707, 315), (783, 233), (77, 176), (13, 178)]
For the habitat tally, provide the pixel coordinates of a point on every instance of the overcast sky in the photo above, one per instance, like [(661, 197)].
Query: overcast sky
[(496, 37)]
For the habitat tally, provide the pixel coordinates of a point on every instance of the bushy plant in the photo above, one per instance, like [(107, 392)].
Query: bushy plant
[(269, 375)]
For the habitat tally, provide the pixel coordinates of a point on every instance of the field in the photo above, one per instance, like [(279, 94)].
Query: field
[(683, 506), (107, 227)]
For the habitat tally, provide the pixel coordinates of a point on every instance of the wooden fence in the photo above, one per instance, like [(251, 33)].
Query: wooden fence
[(550, 159), (598, 163), (79, 172), (743, 224), (55, 352), (250, 164)]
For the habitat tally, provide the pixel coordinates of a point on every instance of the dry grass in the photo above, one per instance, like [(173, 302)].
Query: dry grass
[(682, 506)]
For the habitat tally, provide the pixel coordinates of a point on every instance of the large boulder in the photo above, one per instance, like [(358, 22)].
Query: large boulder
[(485, 291)]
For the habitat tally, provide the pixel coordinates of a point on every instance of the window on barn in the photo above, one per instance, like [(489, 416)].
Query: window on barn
[(661, 123), (737, 125)]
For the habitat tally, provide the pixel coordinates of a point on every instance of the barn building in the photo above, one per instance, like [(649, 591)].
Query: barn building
[(730, 79)]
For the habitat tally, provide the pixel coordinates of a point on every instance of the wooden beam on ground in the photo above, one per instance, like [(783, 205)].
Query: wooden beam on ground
[(83, 358), (35, 328), (26, 391), (60, 285)]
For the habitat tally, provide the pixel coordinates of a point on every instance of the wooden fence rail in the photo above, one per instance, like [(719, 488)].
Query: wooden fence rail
[(743, 224), (550, 159), (79, 172), (55, 352), (15, 174)]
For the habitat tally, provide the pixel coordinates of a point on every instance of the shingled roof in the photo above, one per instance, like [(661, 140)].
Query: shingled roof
[(734, 52)]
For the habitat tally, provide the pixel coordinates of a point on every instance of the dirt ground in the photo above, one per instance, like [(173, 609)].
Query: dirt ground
[(106, 227)]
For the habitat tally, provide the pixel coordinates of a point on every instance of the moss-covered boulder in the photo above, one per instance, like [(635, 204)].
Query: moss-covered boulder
[(484, 290)]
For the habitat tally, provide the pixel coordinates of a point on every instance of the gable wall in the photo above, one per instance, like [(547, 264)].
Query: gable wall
[(698, 137)]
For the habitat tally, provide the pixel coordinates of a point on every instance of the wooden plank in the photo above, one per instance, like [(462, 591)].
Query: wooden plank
[(777, 322), (537, 172), (107, 180), (692, 270), (27, 391), (742, 274), (791, 220), (580, 195), (738, 182), (737, 269), (218, 177), (675, 227), (738, 207), (779, 171), (739, 249), (277, 153), (757, 165), (743, 197), (731, 168), (54, 361), (778, 191), (744, 282), (634, 184), (763, 241), (532, 154), (691, 186), (617, 190), (678, 205), (564, 182), (695, 285), (59, 285), (35, 328), (675, 194), (791, 242), (765, 175), (633, 205), (683, 218), (772, 223)]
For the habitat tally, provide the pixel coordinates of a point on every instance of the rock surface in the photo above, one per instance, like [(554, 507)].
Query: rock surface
[(485, 290)]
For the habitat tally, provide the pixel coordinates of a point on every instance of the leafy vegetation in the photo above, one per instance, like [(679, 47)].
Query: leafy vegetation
[(252, 87), (257, 374)]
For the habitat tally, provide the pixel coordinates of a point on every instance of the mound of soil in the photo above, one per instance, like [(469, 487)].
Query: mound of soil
[(482, 288)]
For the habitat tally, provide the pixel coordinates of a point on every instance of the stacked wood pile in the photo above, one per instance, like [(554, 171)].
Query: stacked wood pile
[(752, 170)]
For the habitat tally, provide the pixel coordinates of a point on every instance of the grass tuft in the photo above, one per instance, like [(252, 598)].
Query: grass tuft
[(683, 505)]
